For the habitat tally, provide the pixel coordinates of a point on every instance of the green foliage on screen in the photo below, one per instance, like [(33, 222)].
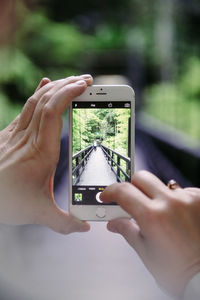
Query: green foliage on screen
[(108, 127)]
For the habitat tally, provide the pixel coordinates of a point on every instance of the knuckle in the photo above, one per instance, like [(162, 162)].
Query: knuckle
[(181, 202), (46, 97), (48, 111), (71, 79), (32, 101), (156, 214), (143, 173), (193, 201), (140, 175), (121, 188)]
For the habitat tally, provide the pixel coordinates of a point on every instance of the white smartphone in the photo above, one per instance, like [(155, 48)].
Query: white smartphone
[(101, 149)]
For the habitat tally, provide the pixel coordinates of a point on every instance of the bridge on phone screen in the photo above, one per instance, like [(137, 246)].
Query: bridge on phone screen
[(99, 166)]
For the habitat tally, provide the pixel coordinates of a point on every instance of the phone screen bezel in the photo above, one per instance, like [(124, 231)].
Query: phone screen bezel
[(101, 93)]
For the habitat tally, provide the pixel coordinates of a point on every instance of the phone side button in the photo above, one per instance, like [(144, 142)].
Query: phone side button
[(100, 212)]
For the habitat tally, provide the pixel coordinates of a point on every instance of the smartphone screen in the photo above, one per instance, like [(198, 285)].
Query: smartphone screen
[(101, 148)]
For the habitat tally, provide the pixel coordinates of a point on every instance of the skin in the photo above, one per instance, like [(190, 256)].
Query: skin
[(166, 230), (29, 153)]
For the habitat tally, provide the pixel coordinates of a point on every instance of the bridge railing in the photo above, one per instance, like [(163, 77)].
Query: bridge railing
[(79, 161), (120, 164)]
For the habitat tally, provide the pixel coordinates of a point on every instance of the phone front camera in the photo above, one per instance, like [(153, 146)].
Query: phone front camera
[(90, 94)]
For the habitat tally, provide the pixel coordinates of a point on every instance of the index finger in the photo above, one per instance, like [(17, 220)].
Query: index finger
[(131, 199), (42, 83), (149, 184), (50, 125)]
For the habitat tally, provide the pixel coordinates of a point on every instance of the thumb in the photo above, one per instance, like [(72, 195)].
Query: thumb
[(61, 221), (129, 230)]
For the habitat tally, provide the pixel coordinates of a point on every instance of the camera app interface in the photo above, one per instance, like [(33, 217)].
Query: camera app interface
[(100, 148)]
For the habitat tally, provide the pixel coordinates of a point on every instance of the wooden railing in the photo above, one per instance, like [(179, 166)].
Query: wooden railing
[(114, 160), (79, 161)]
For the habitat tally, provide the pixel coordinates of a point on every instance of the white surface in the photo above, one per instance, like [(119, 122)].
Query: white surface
[(96, 265)]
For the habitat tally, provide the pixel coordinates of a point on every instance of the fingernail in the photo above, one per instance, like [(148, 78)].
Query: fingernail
[(46, 79), (87, 76), (80, 82)]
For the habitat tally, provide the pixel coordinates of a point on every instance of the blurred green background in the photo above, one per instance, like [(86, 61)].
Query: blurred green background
[(154, 44)]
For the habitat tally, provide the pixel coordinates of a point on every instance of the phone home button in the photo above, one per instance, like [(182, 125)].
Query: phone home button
[(100, 212)]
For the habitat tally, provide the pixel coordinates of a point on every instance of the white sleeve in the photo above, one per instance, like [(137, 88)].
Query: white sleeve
[(192, 291)]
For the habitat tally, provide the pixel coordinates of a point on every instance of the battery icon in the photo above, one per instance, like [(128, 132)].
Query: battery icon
[(127, 105)]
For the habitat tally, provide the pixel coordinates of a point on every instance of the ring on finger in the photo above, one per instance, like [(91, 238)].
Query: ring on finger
[(172, 184)]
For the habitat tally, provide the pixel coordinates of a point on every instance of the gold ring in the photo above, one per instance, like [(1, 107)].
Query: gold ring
[(172, 184)]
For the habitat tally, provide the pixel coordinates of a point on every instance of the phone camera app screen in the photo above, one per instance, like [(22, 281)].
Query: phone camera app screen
[(101, 145)]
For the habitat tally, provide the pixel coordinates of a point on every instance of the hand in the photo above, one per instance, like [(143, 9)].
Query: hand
[(29, 152), (166, 230)]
